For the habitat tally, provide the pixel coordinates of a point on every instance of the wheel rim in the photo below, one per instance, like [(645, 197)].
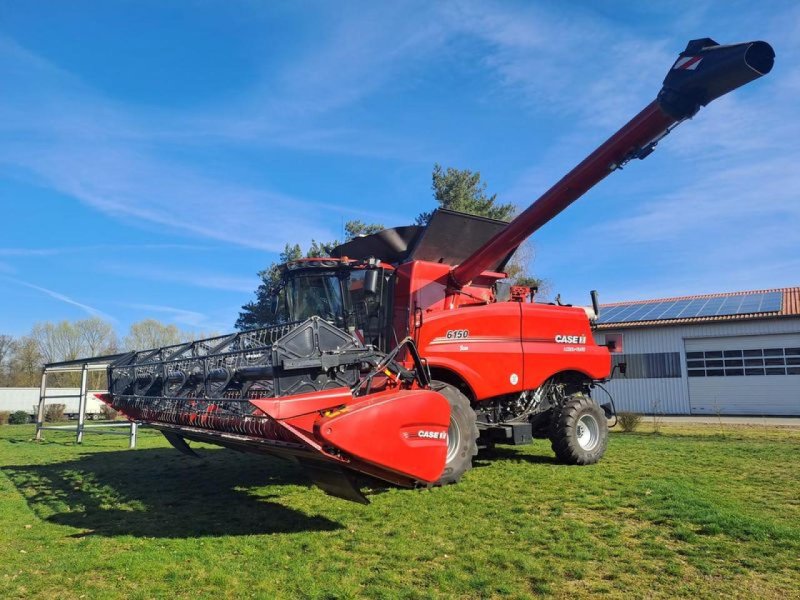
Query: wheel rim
[(587, 432), (453, 439)]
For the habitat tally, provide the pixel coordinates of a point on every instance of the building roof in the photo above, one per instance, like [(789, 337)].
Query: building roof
[(789, 307)]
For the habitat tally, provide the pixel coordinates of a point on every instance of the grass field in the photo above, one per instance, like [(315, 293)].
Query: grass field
[(698, 511)]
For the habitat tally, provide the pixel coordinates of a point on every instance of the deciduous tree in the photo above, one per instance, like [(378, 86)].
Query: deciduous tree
[(25, 365), (7, 346), (150, 333)]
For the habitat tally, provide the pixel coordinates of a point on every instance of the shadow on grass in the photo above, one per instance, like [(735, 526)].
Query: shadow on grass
[(163, 494), (487, 456)]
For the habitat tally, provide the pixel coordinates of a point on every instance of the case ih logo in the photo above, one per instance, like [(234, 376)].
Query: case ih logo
[(432, 435), (570, 339), (425, 434)]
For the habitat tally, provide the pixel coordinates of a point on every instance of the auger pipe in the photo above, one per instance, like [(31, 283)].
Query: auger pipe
[(703, 72)]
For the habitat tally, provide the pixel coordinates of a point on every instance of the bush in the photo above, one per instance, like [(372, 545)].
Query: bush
[(4, 414), (54, 412), (19, 417), (629, 421), (108, 413)]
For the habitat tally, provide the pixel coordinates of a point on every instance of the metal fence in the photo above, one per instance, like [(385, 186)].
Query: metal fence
[(84, 367)]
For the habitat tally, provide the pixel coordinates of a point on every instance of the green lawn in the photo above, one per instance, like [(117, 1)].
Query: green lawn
[(693, 511)]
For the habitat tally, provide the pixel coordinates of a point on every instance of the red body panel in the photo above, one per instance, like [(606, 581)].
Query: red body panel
[(508, 347), (421, 289), (404, 432), (397, 432), (497, 348), (288, 407), (549, 345), (481, 344)]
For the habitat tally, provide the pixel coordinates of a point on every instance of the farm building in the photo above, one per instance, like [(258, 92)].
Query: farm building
[(727, 354)]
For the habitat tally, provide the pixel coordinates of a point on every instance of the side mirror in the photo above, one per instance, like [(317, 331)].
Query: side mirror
[(595, 303), (502, 291), (371, 282), (623, 368)]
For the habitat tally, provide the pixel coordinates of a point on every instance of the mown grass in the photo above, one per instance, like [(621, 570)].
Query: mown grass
[(697, 511)]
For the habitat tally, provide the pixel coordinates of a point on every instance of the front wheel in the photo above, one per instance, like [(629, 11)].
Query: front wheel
[(462, 434), (579, 431)]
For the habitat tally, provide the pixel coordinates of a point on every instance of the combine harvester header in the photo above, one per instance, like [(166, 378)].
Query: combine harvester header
[(396, 358)]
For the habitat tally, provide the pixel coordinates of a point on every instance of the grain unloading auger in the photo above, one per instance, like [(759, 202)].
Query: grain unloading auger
[(403, 352)]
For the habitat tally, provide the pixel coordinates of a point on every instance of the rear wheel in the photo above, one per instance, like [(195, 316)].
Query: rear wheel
[(579, 431), (462, 434)]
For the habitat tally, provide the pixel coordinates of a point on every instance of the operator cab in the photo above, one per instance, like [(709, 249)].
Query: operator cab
[(352, 295)]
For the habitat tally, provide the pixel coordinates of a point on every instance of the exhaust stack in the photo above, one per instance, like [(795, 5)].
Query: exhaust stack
[(703, 72)]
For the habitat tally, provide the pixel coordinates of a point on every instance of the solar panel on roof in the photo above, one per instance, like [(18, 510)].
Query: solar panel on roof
[(659, 310), (771, 302), (640, 310), (626, 310), (611, 311), (664, 308), (710, 308), (731, 305), (656, 308), (750, 304), (694, 307), (674, 309)]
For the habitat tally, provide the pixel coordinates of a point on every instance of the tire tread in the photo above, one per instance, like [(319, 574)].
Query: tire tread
[(562, 439), (459, 400)]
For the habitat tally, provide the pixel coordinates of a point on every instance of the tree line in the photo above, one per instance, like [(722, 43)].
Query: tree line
[(454, 189), (22, 358)]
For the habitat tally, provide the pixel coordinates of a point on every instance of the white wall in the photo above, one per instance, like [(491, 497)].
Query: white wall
[(671, 395), (13, 399)]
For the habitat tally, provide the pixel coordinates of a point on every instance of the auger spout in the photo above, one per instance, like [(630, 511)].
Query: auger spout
[(703, 72)]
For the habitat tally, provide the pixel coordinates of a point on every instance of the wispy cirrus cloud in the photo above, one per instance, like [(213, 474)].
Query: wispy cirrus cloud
[(183, 316), (65, 250), (90, 310), (62, 134), (570, 63), (185, 277), (365, 49)]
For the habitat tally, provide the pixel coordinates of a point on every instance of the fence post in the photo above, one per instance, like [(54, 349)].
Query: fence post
[(134, 430), (82, 403), (40, 410)]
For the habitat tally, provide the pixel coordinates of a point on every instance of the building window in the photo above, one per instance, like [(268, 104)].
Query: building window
[(614, 342), (654, 365), (737, 363)]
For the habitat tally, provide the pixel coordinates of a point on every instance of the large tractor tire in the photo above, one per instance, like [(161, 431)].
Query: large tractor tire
[(579, 431), (462, 435)]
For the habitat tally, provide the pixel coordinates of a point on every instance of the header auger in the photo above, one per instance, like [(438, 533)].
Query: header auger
[(403, 353)]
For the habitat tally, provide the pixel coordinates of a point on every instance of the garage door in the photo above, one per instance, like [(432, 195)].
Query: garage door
[(744, 375)]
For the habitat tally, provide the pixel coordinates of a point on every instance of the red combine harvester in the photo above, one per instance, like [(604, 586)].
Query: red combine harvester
[(404, 352)]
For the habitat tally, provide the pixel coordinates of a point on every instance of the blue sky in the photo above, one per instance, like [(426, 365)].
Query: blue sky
[(155, 155)]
